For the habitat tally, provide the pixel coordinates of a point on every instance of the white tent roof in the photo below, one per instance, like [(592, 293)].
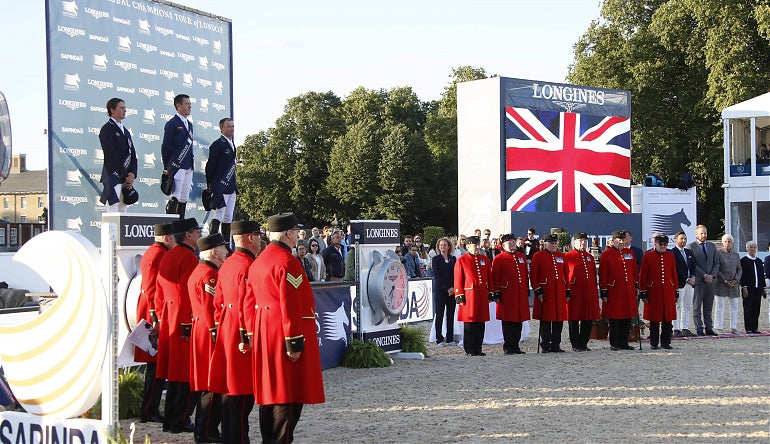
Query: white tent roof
[(757, 107)]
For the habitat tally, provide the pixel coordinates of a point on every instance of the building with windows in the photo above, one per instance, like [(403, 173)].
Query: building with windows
[(24, 195)]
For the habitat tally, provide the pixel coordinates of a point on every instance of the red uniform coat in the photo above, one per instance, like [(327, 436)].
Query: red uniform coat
[(173, 351), (618, 275), (149, 269), (658, 277), (473, 278), (284, 317), (230, 371), (510, 278), (200, 287), (549, 272), (583, 304)]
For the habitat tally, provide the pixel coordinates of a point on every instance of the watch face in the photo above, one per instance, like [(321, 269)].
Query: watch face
[(394, 286)]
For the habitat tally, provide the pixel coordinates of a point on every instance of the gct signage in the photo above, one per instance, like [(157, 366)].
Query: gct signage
[(376, 232)]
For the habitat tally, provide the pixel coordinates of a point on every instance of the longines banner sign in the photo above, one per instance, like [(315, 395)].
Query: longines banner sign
[(144, 52), (376, 232)]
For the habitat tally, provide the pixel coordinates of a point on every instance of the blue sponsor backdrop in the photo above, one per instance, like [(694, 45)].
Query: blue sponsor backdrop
[(144, 52), (332, 306)]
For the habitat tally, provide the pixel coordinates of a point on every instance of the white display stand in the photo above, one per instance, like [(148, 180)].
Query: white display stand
[(493, 329)]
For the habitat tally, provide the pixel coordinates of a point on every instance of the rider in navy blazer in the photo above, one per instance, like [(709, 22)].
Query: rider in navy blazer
[(119, 153), (684, 270)]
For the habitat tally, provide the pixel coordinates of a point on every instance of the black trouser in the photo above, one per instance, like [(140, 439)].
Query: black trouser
[(235, 418), (208, 414), (442, 303), (660, 331), (550, 334), (277, 422), (511, 336), (153, 389), (580, 333), (473, 337), (619, 329), (179, 405), (751, 306)]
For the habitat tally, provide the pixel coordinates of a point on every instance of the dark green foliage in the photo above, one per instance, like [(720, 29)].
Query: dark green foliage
[(413, 339), (130, 386), (431, 234), (364, 354)]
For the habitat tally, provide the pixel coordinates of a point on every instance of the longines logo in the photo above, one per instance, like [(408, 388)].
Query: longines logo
[(218, 66), (147, 47), (72, 104), (144, 27), (131, 112), (73, 200), (72, 178), (218, 88), (125, 89), (125, 65), (149, 204), (95, 223), (74, 152), (185, 57), (98, 38), (97, 109), (152, 72), (186, 38), (169, 75), (99, 84), (72, 82), (149, 116), (72, 57), (94, 176), (93, 130), (204, 105), (149, 161), (218, 106), (135, 230), (150, 93), (200, 41), (569, 94), (217, 47), (100, 62), (70, 31), (69, 9), (163, 31), (149, 181), (203, 82), (168, 54), (149, 137), (124, 44), (203, 63), (122, 21), (204, 124), (70, 130), (96, 13), (187, 80)]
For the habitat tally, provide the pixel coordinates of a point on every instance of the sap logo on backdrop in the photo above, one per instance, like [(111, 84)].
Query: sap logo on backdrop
[(100, 62), (74, 152), (147, 47), (70, 130), (203, 82), (163, 31), (124, 44), (185, 57), (149, 204), (149, 160), (218, 66), (204, 105), (126, 89), (200, 41), (72, 82), (218, 88), (99, 84), (74, 224), (149, 181), (149, 71), (99, 38), (72, 178), (144, 27), (169, 74), (204, 124), (168, 54), (96, 13), (150, 93), (97, 109), (184, 37), (187, 80), (218, 106), (122, 21), (217, 47), (70, 31), (73, 200), (69, 9), (149, 116), (203, 63), (149, 137), (125, 65), (72, 104), (131, 112), (72, 57)]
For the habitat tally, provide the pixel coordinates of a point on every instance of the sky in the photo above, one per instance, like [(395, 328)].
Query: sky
[(284, 49)]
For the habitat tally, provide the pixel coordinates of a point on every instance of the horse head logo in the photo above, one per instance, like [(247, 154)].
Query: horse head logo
[(669, 224)]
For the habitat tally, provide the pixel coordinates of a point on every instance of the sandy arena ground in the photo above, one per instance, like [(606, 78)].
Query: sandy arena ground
[(711, 390)]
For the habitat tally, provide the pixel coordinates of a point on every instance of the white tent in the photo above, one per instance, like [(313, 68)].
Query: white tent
[(758, 107)]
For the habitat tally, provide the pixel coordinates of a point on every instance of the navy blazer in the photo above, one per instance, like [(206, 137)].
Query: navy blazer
[(175, 137), (117, 147), (220, 168), (684, 270)]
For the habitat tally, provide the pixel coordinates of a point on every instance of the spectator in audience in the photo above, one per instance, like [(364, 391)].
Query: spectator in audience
[(460, 246), (301, 238), (317, 264), (520, 246), (638, 253), (531, 244), (486, 249), (305, 261), (412, 263), (487, 235), (443, 265), (406, 245), (728, 288), (423, 255), (317, 236), (334, 259)]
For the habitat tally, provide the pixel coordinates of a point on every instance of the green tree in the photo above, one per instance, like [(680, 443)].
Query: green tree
[(682, 68)]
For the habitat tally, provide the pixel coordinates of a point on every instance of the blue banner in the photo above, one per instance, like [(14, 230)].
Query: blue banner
[(332, 306)]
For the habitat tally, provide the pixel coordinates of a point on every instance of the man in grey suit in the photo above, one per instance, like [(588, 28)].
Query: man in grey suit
[(706, 268)]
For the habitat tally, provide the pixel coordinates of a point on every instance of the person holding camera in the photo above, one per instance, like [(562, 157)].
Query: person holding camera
[(472, 279)]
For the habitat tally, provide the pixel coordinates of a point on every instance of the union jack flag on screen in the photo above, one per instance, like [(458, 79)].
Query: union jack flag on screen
[(567, 162)]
